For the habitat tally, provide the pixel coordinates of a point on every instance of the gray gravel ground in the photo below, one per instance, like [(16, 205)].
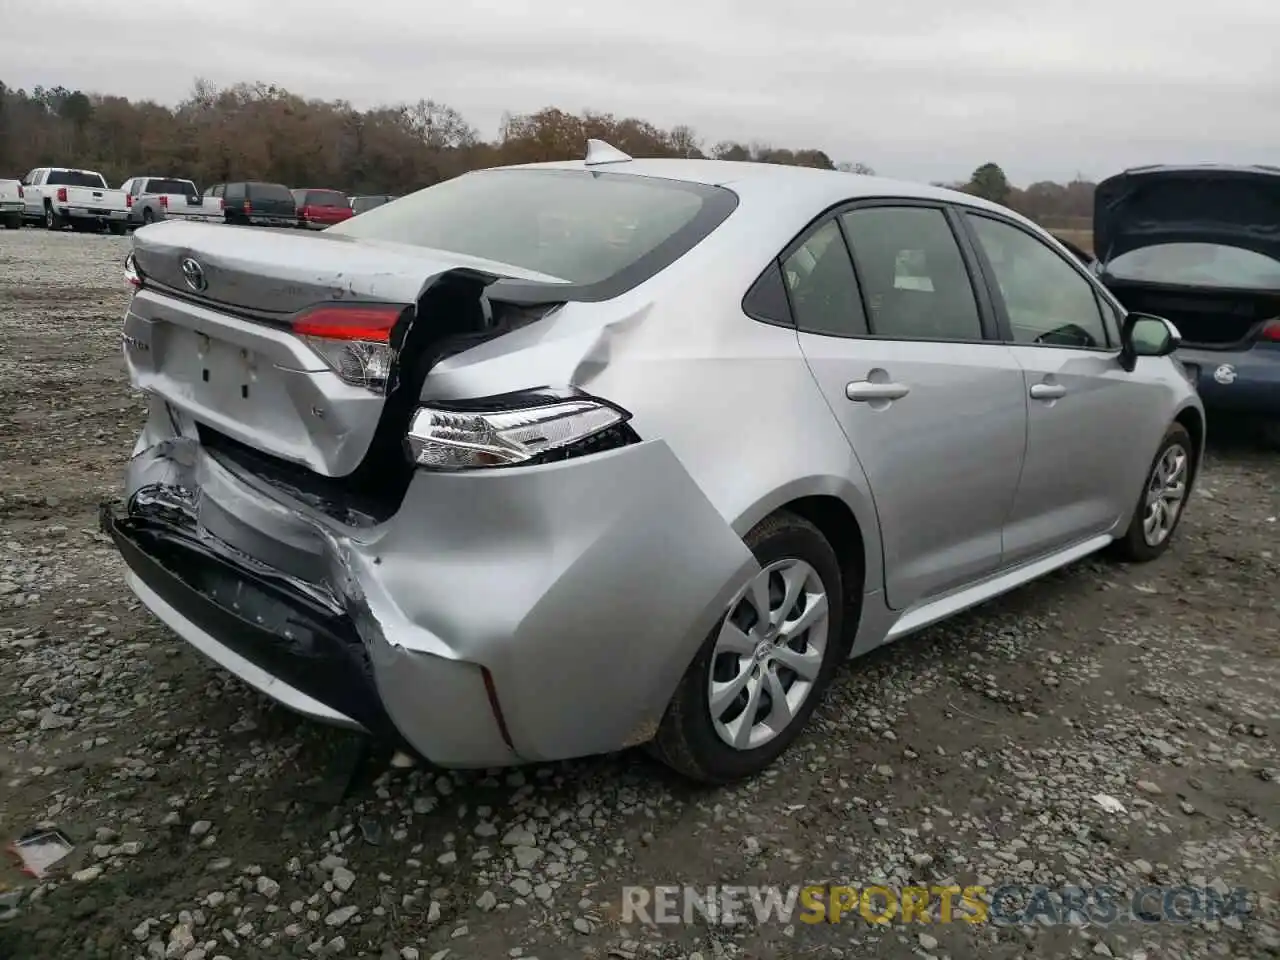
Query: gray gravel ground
[(210, 824)]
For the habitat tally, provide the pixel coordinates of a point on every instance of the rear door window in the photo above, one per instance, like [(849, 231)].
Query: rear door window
[(235, 192), (588, 228), (822, 287), (914, 278)]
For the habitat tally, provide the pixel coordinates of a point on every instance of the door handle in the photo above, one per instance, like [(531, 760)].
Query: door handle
[(1048, 391), (864, 391)]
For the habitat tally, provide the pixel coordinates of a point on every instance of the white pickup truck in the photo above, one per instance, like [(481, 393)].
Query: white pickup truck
[(61, 196), (169, 198), (11, 205)]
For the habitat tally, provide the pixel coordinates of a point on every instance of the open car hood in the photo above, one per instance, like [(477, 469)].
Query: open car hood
[(1145, 206)]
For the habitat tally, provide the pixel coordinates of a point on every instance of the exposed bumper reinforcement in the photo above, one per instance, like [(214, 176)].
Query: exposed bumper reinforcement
[(281, 642)]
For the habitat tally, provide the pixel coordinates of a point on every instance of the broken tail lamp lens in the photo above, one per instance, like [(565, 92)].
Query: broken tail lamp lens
[(467, 439), (131, 275), (354, 342)]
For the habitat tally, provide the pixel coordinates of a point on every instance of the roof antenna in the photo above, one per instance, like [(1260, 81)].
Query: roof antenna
[(600, 152)]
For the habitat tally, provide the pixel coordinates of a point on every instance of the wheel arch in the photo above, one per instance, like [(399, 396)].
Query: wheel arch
[(846, 517), (1192, 419)]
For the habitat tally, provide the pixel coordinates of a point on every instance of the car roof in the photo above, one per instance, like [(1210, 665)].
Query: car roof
[(807, 184)]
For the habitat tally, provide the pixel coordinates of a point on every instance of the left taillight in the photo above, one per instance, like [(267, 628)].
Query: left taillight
[(516, 429), (355, 342), (62, 194), (21, 194), (131, 275), (1271, 331)]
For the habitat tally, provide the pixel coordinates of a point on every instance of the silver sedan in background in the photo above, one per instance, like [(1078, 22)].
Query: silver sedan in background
[(554, 460)]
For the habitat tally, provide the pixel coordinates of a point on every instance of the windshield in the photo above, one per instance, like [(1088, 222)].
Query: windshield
[(583, 227), (1198, 264), (184, 187), (75, 178)]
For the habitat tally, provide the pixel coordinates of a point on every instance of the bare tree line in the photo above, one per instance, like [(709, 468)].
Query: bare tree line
[(261, 131)]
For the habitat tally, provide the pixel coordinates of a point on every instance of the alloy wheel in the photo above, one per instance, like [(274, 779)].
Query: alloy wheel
[(768, 653), (1166, 492)]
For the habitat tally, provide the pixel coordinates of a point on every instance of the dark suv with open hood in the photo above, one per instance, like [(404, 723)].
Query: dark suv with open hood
[(1200, 245)]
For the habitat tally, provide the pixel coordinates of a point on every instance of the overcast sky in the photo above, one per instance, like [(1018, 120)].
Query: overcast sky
[(921, 90)]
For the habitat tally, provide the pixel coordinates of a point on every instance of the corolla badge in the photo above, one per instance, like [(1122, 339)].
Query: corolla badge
[(193, 273), (1225, 374)]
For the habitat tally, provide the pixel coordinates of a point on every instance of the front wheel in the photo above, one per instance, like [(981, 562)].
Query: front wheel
[(761, 673), (1162, 500)]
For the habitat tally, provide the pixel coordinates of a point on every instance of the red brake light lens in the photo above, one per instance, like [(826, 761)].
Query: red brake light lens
[(164, 200), (1271, 331), (372, 324), (128, 199), (355, 342), (62, 194), (20, 193)]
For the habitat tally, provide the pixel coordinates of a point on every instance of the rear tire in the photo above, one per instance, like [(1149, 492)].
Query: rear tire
[(116, 229), (13, 222), (747, 658), (51, 220), (1162, 500), (148, 216)]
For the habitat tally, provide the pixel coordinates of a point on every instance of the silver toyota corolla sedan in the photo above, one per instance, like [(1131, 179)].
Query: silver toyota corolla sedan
[(554, 460)]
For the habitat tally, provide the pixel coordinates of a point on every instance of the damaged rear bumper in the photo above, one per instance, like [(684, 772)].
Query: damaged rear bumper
[(518, 616), (278, 641)]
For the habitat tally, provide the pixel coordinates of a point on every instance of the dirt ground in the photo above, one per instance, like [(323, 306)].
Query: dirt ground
[(207, 823)]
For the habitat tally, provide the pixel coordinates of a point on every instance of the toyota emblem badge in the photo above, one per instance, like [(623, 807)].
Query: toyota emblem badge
[(193, 273)]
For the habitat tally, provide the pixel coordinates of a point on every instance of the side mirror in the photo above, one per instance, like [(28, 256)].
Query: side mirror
[(1145, 335)]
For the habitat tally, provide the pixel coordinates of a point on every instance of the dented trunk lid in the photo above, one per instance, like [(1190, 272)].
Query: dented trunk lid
[(211, 331)]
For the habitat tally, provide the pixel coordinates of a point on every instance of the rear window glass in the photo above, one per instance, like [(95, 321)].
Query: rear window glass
[(75, 178), (324, 198), (584, 228), (183, 187), (1199, 265), (361, 204), (270, 191)]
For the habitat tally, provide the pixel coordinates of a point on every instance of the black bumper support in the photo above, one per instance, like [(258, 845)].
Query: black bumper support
[(278, 629)]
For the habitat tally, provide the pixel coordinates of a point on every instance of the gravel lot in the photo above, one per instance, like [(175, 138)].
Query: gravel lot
[(209, 823)]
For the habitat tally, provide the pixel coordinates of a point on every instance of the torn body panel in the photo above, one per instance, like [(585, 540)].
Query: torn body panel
[(543, 577)]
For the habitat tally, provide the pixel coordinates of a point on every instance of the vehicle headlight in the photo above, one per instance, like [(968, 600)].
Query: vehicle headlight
[(524, 428)]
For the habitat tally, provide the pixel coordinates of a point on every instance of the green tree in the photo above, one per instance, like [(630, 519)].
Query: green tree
[(990, 183)]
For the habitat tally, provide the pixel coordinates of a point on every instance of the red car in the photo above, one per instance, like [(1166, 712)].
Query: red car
[(318, 209)]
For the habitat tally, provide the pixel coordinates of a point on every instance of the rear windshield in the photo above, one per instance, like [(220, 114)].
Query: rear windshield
[(1199, 265), (582, 227), (361, 204), (183, 187), (323, 198), (75, 178), (270, 191)]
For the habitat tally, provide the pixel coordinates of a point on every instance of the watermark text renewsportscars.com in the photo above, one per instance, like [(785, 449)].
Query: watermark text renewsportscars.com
[(1005, 904)]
